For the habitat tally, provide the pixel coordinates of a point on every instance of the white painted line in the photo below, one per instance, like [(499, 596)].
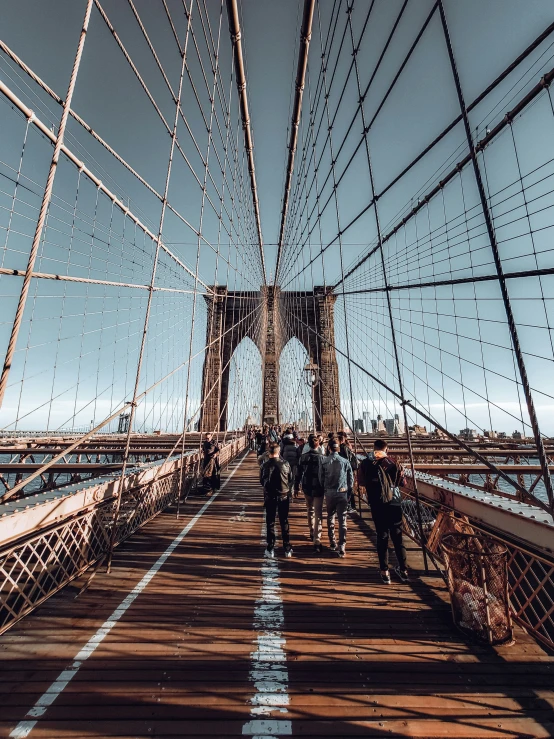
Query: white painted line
[(24, 728), (269, 671)]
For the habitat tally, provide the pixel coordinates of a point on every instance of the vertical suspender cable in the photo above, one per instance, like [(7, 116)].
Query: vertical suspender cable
[(234, 28), (46, 197), (499, 270), (149, 306), (305, 36), (389, 308)]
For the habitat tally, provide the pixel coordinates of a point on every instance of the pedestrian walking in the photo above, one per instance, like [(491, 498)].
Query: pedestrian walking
[(289, 452), (381, 476), (331, 436), (337, 480), (347, 452), (307, 477), (265, 454), (276, 479)]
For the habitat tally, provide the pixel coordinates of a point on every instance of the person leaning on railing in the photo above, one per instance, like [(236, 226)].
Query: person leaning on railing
[(210, 464)]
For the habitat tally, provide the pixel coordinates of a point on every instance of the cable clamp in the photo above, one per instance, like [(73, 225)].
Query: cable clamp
[(236, 37)]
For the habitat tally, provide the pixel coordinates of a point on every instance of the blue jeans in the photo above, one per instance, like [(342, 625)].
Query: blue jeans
[(337, 504)]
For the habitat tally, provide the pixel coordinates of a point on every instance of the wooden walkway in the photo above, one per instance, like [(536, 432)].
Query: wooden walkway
[(217, 642)]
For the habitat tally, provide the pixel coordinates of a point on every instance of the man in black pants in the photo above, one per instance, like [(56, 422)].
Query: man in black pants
[(381, 476), (276, 478)]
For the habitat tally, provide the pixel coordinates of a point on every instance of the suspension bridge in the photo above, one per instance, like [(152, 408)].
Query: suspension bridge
[(399, 155)]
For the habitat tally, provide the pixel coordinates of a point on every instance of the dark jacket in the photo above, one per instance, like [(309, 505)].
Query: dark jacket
[(276, 478), (210, 461), (307, 473), (347, 452), (379, 477), (209, 449), (289, 452)]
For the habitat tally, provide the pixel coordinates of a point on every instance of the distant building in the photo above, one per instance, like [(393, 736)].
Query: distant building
[(421, 430), (124, 422), (490, 434), (502, 435), (468, 434), (381, 428), (367, 421), (394, 426), (517, 435)]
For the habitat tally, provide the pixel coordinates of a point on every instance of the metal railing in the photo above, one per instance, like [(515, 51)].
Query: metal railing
[(530, 573), (37, 565)]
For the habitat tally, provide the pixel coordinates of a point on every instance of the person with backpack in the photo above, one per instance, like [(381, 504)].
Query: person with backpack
[(276, 480), (381, 476), (347, 452), (337, 479), (289, 452), (307, 476)]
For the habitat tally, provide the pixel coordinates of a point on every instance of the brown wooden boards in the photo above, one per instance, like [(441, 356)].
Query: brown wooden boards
[(357, 658)]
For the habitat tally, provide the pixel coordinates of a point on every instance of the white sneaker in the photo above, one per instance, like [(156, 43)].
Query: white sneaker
[(269, 554), (288, 553)]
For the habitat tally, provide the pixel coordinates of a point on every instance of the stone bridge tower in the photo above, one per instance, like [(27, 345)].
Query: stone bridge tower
[(270, 318)]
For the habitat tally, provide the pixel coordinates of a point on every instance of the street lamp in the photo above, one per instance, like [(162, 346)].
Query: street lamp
[(311, 373)]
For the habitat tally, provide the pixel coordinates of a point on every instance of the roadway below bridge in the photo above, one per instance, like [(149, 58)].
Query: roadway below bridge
[(194, 634)]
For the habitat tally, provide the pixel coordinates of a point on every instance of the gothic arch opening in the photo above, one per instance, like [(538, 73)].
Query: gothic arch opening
[(244, 397), (295, 396)]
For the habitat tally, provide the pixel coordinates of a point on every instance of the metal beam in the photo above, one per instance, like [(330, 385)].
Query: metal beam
[(305, 36), (234, 28)]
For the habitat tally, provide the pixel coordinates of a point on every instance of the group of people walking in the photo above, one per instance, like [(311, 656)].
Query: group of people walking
[(325, 473)]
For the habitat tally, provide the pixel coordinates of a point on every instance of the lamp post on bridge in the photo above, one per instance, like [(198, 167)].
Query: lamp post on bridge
[(311, 372)]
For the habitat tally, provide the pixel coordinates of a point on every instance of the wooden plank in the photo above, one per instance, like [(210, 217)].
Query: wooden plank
[(363, 659)]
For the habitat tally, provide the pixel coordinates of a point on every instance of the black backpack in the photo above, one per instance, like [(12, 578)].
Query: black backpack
[(310, 473), (377, 482)]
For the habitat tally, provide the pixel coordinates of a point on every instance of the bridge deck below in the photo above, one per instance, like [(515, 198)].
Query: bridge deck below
[(218, 642)]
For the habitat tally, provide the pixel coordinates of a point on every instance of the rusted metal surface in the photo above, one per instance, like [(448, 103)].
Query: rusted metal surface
[(360, 658)]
